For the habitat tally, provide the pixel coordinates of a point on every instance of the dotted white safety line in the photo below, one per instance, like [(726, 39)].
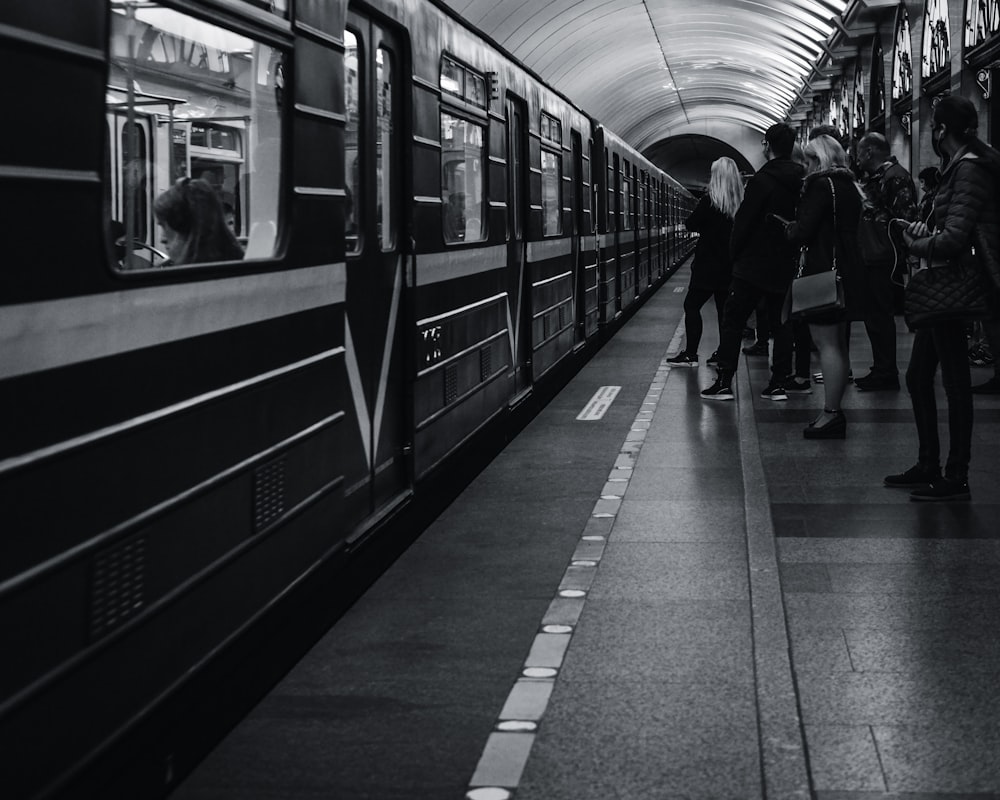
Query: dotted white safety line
[(505, 755)]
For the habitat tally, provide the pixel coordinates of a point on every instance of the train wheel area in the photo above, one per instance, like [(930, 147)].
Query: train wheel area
[(649, 595)]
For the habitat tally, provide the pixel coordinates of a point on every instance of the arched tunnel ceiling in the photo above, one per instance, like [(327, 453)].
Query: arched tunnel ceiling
[(652, 69)]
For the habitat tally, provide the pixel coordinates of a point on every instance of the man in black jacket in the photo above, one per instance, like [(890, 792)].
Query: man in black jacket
[(763, 263), (891, 194)]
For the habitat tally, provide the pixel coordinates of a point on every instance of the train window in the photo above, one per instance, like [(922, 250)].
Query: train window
[(612, 212), (551, 133), (353, 202), (463, 190), (551, 193), (475, 89), (384, 149), (193, 113), (462, 82), (626, 200)]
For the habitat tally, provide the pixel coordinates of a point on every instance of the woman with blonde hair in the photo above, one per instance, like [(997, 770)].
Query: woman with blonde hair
[(826, 224), (711, 271)]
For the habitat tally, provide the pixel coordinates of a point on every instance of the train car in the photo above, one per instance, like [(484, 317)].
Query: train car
[(188, 447), (639, 211)]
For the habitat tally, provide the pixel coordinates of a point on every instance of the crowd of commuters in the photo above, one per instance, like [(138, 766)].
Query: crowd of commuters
[(864, 221)]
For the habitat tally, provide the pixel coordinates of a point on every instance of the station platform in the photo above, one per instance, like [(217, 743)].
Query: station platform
[(670, 598)]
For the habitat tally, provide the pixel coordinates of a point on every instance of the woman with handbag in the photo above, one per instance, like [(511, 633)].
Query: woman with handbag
[(967, 231), (826, 227)]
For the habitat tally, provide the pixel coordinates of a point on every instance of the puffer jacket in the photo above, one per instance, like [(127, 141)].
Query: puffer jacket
[(761, 255), (967, 215)]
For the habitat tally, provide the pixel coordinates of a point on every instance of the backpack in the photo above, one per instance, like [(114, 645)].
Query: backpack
[(876, 246)]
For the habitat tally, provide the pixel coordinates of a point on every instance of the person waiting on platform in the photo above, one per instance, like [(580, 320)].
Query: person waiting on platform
[(891, 195), (711, 271), (827, 224), (194, 225), (763, 263), (929, 178), (966, 220)]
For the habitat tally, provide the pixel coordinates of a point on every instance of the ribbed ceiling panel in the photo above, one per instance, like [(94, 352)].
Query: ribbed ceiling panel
[(647, 68)]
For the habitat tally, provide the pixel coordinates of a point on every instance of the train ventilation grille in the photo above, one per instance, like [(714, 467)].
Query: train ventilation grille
[(268, 493), (485, 363), (119, 586), (450, 384)]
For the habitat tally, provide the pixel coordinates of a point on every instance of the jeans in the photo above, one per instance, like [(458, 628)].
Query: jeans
[(942, 344), (693, 328), (743, 297)]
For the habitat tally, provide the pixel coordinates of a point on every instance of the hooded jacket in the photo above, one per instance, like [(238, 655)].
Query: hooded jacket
[(761, 255)]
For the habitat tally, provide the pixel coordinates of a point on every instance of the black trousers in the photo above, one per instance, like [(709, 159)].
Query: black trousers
[(742, 299), (693, 326), (942, 344), (879, 322), (802, 341)]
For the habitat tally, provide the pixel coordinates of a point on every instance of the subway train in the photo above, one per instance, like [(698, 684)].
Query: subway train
[(432, 238)]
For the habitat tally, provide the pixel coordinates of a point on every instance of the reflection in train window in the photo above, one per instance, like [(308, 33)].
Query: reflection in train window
[(384, 149), (462, 187), (353, 201), (189, 99), (551, 193), (626, 200), (551, 134)]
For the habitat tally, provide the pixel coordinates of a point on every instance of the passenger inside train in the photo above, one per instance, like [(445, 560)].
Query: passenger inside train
[(194, 225)]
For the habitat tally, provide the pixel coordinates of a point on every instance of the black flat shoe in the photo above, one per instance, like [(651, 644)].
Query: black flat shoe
[(835, 428)]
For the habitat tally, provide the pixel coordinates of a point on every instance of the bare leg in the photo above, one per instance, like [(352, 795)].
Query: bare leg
[(831, 342)]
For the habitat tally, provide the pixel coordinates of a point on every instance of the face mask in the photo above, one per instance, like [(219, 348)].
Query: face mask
[(936, 141)]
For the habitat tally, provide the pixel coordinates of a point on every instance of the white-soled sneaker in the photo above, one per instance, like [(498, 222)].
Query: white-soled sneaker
[(719, 390), (683, 359), (774, 391)]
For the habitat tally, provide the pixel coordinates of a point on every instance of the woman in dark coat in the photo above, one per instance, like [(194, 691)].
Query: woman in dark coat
[(827, 224), (712, 270), (966, 218)]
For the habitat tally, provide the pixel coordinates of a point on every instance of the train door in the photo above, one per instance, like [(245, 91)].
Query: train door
[(518, 282), (579, 272), (375, 254), (131, 161)]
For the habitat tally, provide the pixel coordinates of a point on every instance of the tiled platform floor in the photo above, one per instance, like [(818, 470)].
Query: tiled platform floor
[(669, 523), (893, 607)]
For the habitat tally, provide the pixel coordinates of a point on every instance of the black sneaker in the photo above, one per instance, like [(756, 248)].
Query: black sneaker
[(756, 349), (774, 391), (878, 383), (916, 477), (720, 390), (796, 385), (713, 360), (683, 359), (992, 386), (943, 490)]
